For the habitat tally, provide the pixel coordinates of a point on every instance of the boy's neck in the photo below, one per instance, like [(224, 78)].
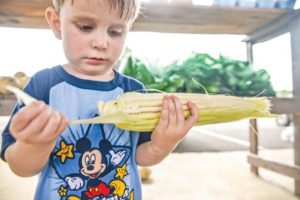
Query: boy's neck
[(105, 77)]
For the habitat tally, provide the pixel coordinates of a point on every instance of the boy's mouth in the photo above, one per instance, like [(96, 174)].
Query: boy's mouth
[(95, 61)]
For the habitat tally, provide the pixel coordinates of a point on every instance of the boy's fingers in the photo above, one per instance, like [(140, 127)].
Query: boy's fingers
[(179, 111), (172, 112), (194, 115), (26, 115), (36, 126), (53, 126), (63, 125), (163, 120)]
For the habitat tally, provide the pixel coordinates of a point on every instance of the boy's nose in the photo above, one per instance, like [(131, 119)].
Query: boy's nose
[(100, 41)]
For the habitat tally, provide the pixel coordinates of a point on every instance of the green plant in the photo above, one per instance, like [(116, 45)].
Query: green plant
[(200, 73)]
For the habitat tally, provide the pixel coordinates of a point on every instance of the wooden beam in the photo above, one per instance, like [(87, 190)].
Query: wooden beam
[(160, 17), (288, 170), (23, 14), (285, 105), (273, 28), (295, 51), (185, 18)]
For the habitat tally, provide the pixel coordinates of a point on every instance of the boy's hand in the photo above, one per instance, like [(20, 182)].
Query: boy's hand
[(37, 124), (172, 126)]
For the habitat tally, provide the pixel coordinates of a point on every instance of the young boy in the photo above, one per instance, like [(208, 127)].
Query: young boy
[(87, 161)]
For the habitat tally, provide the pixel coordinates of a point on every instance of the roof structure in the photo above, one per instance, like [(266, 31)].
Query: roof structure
[(180, 16)]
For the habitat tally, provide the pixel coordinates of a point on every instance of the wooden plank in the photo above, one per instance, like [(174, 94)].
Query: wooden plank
[(23, 14), (203, 19), (288, 170), (295, 51), (176, 17), (273, 28), (285, 105)]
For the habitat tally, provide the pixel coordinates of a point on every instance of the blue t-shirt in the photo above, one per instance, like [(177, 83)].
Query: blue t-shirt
[(89, 161)]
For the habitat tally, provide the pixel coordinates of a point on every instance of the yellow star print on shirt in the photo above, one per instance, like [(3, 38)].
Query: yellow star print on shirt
[(62, 191), (131, 195), (65, 151), (121, 172)]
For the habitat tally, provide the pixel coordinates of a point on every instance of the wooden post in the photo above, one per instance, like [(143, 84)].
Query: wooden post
[(295, 50), (253, 131), (297, 149), (249, 52)]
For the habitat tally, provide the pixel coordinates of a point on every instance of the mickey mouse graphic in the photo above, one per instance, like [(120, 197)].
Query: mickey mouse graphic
[(96, 163), (93, 164)]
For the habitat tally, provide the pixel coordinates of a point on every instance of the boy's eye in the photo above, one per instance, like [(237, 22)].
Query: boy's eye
[(114, 32), (85, 27)]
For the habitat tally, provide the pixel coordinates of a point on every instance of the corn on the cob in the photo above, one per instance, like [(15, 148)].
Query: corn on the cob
[(141, 112)]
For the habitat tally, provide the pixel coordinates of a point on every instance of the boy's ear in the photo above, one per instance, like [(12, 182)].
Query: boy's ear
[(53, 20)]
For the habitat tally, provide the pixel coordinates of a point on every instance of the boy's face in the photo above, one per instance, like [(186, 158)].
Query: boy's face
[(93, 35)]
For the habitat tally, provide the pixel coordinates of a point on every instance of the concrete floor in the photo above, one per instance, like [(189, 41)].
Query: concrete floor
[(214, 176), (190, 176)]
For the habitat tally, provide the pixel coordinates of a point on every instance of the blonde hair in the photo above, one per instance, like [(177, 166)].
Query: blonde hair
[(129, 9)]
